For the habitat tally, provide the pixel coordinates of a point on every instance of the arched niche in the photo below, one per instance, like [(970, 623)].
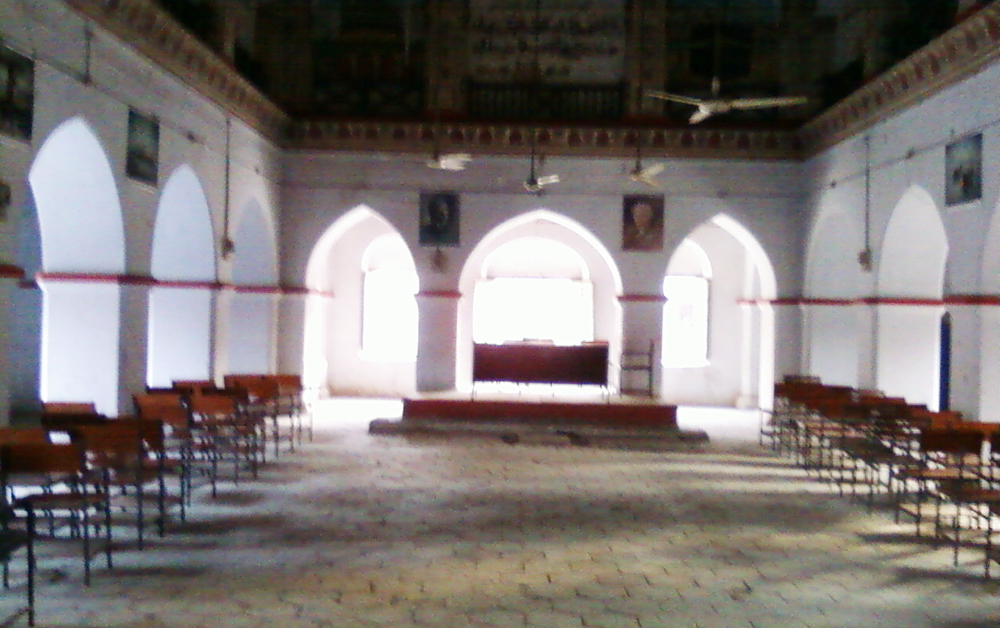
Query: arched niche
[(183, 263), (910, 275), (833, 280), (359, 242), (82, 246), (739, 369), (546, 225), (249, 334), (533, 288)]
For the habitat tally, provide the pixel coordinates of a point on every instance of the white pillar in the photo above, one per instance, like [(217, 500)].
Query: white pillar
[(133, 343), (437, 347)]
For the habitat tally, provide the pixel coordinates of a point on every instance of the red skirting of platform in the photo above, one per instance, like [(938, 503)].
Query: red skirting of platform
[(604, 414)]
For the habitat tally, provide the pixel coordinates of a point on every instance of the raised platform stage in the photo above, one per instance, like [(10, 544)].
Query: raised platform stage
[(621, 422), (616, 412)]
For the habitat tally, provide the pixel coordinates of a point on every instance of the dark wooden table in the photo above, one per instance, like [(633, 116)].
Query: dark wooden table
[(541, 363)]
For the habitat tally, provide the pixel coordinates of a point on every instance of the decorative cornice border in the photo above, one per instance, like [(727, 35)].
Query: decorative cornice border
[(143, 25), (955, 55), (552, 139)]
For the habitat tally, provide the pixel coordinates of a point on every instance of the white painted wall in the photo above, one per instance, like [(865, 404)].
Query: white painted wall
[(923, 249), (192, 134), (785, 206)]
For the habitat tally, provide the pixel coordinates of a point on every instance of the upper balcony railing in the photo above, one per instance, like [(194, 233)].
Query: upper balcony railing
[(544, 102)]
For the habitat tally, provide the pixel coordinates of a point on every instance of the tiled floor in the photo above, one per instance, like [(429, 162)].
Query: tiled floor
[(365, 531)]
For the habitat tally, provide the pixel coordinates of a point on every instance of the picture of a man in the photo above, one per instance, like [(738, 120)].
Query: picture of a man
[(642, 223), (439, 219)]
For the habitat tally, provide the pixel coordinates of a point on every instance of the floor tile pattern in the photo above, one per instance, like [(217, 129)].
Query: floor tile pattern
[(370, 531)]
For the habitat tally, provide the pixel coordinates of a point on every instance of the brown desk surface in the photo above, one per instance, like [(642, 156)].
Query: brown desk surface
[(541, 363)]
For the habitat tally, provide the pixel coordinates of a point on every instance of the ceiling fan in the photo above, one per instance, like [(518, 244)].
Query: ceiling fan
[(535, 183), (715, 105), (448, 161), (644, 174)]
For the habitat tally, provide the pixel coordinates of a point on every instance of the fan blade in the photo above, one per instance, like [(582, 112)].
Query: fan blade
[(761, 103), (701, 114), (642, 177), (686, 100), (453, 161), (548, 179), (653, 170)]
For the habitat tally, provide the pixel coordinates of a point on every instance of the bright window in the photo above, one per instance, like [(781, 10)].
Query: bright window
[(513, 308), (685, 322), (389, 315)]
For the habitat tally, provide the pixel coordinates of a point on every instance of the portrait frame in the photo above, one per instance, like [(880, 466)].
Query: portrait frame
[(143, 149), (6, 194), (963, 162), (440, 219), (642, 222), (17, 94)]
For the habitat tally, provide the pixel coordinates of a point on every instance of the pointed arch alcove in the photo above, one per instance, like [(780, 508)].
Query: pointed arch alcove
[(82, 244), (183, 266), (911, 271), (251, 305), (833, 280), (360, 265), (739, 366), (580, 256)]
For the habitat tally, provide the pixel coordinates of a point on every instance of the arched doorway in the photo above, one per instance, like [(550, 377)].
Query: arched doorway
[(82, 246)]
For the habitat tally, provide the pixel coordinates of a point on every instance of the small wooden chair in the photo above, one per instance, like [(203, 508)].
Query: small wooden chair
[(65, 490), (641, 362)]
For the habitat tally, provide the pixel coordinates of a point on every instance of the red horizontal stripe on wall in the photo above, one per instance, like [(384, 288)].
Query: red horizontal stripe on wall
[(171, 283), (955, 299), (642, 298), (901, 301), (972, 299), (245, 289), (440, 294), (140, 280)]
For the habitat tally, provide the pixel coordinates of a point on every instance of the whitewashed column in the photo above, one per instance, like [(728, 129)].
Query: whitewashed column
[(133, 340), (437, 347)]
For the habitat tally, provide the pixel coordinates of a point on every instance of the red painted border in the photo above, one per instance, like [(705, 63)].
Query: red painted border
[(140, 280), (642, 298), (954, 299), (440, 294)]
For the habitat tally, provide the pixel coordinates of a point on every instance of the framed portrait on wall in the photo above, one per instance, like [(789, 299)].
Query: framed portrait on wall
[(439, 219), (142, 156), (17, 94), (642, 222), (963, 161)]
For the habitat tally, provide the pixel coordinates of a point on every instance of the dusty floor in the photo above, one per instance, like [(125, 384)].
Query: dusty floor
[(356, 530)]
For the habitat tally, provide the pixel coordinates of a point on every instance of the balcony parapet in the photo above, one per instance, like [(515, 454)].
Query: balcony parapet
[(957, 54), (145, 26)]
